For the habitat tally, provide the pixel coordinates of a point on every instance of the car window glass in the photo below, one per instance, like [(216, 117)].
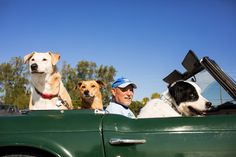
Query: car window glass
[(211, 89)]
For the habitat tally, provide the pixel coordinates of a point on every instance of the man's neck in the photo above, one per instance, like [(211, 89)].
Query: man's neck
[(126, 107)]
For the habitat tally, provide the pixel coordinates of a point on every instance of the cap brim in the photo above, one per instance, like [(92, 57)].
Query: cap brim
[(126, 84)]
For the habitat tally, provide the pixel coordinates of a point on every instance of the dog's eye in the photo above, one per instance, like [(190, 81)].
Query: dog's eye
[(32, 59), (83, 87), (193, 95), (93, 86), (44, 59)]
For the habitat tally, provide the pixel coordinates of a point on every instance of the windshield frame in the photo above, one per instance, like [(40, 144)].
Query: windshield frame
[(220, 76)]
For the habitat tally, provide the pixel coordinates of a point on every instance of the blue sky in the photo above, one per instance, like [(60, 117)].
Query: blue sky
[(143, 39)]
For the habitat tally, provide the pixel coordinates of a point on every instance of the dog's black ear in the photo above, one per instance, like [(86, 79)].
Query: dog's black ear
[(100, 83), (176, 90), (78, 85)]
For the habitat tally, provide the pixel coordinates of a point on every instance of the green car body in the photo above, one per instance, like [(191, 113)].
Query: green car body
[(83, 133), (59, 133), (89, 133)]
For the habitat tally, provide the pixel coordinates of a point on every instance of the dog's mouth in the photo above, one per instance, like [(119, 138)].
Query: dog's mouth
[(89, 97), (36, 72), (195, 111)]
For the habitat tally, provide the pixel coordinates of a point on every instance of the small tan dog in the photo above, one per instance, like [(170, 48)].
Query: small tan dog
[(47, 89), (90, 94)]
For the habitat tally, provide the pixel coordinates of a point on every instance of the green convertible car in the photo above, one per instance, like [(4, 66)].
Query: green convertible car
[(90, 133)]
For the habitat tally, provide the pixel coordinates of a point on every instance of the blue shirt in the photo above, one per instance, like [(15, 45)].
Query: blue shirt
[(115, 108)]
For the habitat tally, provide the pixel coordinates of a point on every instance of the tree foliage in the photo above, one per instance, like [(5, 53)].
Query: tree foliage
[(86, 70), (155, 95), (70, 80), (135, 107), (145, 100), (14, 83), (106, 74)]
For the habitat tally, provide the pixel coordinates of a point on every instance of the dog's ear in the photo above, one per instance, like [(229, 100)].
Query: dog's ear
[(178, 91), (78, 85), (55, 57), (101, 84), (28, 56)]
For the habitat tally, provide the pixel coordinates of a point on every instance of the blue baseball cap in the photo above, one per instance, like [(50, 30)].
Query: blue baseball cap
[(122, 83)]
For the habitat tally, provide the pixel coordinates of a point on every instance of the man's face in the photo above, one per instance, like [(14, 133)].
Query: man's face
[(123, 96)]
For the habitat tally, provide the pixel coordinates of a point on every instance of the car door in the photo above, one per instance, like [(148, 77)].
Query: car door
[(169, 137)]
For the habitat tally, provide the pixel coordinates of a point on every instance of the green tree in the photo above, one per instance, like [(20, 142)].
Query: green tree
[(14, 84), (70, 80), (86, 70), (135, 107), (106, 74), (145, 100), (155, 95)]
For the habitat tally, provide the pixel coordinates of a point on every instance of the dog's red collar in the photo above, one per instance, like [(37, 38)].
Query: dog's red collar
[(46, 96)]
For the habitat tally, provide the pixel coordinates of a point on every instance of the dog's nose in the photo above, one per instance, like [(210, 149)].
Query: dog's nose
[(86, 93), (34, 67), (208, 104)]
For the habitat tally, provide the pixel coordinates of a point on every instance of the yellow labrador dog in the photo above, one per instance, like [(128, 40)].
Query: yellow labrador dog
[(90, 94), (47, 89)]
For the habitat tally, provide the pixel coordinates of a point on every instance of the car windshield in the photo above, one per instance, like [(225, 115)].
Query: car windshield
[(212, 90)]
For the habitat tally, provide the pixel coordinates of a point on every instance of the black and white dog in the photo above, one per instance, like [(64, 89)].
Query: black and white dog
[(183, 98)]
